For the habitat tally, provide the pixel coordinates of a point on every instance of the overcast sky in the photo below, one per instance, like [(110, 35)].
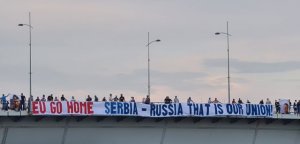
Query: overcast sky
[(95, 47)]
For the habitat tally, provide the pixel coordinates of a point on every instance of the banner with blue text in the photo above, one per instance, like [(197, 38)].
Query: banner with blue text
[(151, 110)]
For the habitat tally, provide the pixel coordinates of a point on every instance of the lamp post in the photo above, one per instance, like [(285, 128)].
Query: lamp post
[(148, 45), (30, 27), (227, 35)]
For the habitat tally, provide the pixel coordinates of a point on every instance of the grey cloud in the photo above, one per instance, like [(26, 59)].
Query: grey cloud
[(254, 67)]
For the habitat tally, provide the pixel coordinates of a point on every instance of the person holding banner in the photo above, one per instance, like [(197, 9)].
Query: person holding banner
[(122, 99), (88, 98), (233, 101), (62, 98), (168, 100), (190, 101), (209, 100), (240, 101), (147, 100), (216, 101)]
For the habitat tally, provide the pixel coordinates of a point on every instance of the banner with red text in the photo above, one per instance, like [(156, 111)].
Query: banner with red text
[(150, 110)]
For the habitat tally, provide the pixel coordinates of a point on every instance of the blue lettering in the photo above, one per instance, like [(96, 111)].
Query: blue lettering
[(158, 110), (180, 112), (152, 109), (263, 109), (171, 109), (258, 111), (215, 109), (165, 112), (113, 107), (196, 110), (190, 106), (120, 108), (220, 110), (126, 108), (134, 109), (207, 108), (107, 107), (201, 110), (235, 109), (254, 110), (241, 111), (269, 110), (229, 108), (248, 109)]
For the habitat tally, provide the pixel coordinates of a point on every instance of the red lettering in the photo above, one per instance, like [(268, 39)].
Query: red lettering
[(82, 107), (52, 107), (42, 107), (90, 108), (76, 107), (70, 107), (59, 107), (35, 108)]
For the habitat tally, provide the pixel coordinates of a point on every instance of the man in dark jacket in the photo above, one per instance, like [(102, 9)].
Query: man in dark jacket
[(277, 106)]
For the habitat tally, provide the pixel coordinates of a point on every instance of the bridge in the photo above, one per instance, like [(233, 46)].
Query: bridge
[(20, 127)]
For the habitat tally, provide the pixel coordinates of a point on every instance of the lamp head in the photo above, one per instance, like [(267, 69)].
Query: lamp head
[(20, 24), (217, 33), (158, 40)]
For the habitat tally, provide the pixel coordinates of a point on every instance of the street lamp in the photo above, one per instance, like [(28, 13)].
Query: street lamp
[(227, 35), (30, 27), (148, 45)]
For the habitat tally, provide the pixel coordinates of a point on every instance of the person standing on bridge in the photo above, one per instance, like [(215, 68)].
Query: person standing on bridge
[(190, 101), (50, 97), (298, 108), (73, 99), (23, 99), (96, 98), (62, 98), (216, 101), (277, 106), (116, 98), (30, 100), (43, 98), (147, 100), (233, 101), (122, 99), (240, 101), (132, 100), (295, 107), (4, 102), (110, 98), (88, 98), (209, 100), (168, 100), (176, 100), (268, 101)]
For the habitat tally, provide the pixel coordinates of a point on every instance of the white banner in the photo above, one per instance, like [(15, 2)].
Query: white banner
[(151, 110)]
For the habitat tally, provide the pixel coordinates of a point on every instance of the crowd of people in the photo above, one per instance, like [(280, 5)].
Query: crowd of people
[(20, 103)]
